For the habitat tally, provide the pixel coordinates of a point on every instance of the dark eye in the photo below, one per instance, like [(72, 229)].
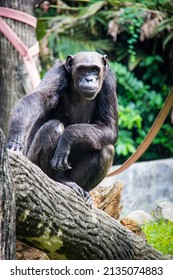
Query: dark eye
[(95, 70), (82, 70)]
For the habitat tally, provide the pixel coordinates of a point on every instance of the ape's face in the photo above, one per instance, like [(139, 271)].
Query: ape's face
[(87, 69)]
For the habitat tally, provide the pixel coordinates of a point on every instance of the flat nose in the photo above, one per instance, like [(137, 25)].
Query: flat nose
[(89, 79)]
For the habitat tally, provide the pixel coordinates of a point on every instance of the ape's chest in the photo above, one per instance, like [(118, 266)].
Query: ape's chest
[(79, 112)]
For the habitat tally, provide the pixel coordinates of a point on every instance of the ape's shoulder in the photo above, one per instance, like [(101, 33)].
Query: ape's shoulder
[(109, 74), (57, 68), (55, 79), (109, 82)]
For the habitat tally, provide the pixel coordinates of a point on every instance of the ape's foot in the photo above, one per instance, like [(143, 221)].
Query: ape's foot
[(15, 145), (82, 193)]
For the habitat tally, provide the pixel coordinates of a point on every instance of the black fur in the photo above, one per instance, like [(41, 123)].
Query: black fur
[(71, 139)]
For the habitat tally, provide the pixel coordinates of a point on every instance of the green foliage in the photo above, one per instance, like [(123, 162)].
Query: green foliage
[(66, 45), (160, 235), (136, 118), (131, 19), (152, 64), (132, 86), (129, 117), (157, 4), (125, 143)]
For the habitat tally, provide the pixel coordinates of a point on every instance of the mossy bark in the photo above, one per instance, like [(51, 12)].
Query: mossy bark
[(54, 219)]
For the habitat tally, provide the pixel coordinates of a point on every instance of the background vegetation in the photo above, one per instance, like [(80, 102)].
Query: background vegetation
[(160, 235), (138, 38)]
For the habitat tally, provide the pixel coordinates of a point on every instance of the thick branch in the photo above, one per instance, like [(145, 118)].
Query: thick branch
[(53, 218)]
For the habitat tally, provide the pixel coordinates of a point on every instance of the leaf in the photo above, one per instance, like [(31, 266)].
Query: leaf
[(149, 60), (71, 45), (131, 148), (167, 40), (91, 9), (41, 29), (164, 24)]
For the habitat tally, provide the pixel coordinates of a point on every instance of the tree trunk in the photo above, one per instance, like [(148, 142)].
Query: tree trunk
[(54, 219), (7, 207), (14, 80)]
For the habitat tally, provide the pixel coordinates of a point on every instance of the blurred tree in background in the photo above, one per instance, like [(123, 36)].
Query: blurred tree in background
[(138, 38)]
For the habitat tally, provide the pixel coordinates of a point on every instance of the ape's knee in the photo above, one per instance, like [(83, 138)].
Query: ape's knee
[(49, 133), (107, 156), (52, 127), (45, 141)]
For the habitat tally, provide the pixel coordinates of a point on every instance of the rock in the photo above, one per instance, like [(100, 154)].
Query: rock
[(164, 210), (140, 217), (144, 183)]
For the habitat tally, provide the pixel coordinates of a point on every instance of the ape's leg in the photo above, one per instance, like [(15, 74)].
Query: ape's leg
[(75, 187), (42, 150), (44, 144), (92, 168)]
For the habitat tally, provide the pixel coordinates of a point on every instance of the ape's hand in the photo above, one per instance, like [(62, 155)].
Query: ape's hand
[(60, 158), (15, 145)]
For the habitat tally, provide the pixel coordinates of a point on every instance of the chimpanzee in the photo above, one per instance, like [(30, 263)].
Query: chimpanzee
[(68, 125)]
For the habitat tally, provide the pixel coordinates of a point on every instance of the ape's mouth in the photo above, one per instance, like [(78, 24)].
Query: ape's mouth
[(89, 95), (88, 91)]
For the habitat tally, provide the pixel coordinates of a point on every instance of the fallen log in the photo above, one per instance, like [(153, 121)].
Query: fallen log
[(53, 218)]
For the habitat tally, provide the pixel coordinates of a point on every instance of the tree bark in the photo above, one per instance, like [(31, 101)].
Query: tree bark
[(54, 219), (14, 79), (7, 207), (108, 199)]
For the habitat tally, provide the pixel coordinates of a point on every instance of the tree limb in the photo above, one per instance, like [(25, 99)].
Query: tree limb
[(54, 219)]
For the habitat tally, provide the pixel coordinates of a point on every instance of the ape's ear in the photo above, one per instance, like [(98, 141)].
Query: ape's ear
[(105, 61), (69, 62)]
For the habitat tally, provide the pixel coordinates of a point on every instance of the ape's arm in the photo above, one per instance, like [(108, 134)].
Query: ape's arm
[(31, 109), (94, 137), (25, 114)]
